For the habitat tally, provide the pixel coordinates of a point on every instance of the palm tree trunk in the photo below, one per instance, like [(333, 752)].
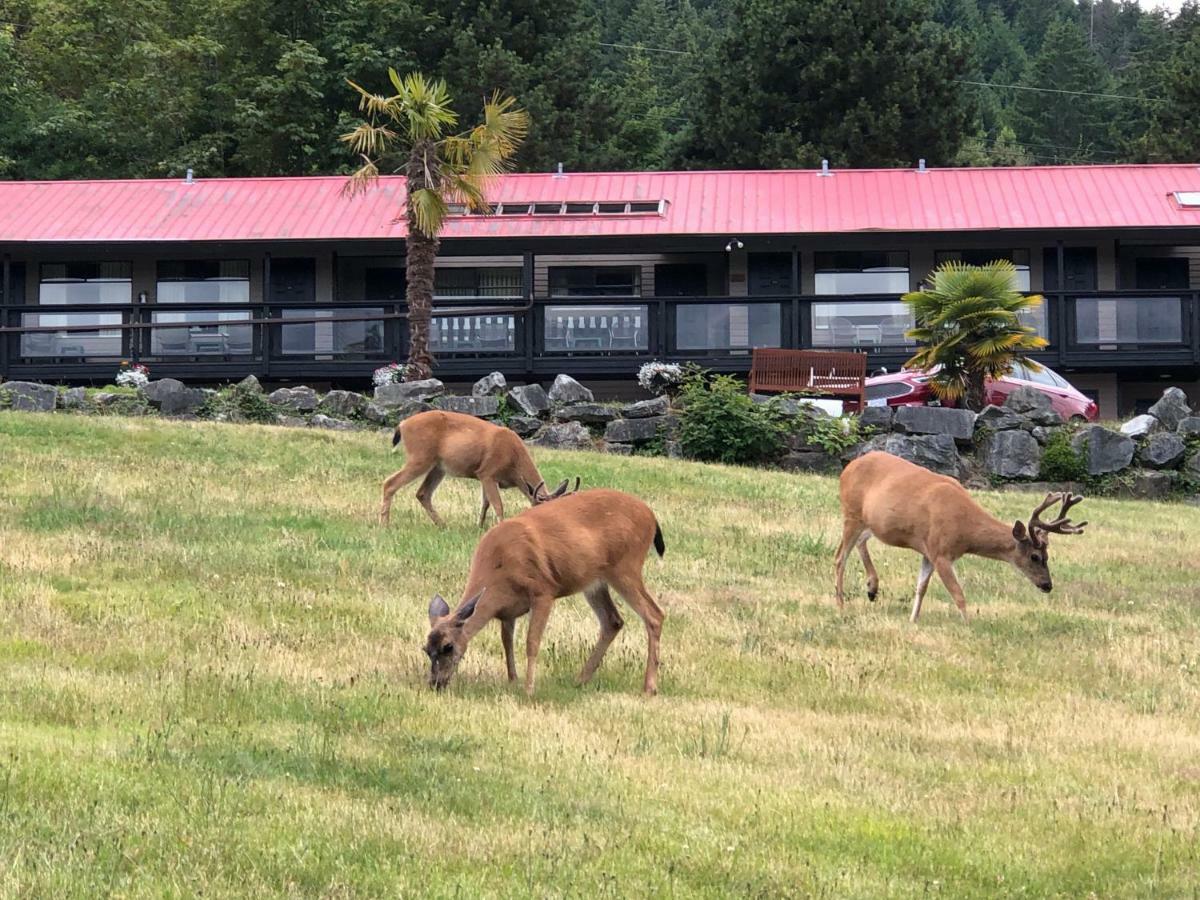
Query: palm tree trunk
[(422, 251), (976, 391)]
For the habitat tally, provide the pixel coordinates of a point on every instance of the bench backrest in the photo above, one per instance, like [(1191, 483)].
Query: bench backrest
[(833, 373)]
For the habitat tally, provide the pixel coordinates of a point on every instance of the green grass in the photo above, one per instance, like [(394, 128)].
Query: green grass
[(211, 682)]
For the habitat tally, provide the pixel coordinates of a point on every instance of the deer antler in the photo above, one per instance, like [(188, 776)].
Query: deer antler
[(1061, 525)]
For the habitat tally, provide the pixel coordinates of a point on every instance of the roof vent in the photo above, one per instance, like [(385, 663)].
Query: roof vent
[(559, 173), (824, 173), (921, 166), (188, 179)]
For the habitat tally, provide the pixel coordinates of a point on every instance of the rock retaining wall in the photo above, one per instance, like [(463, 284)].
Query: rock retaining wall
[(1152, 455)]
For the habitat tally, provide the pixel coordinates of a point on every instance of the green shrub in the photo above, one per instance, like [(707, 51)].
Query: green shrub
[(239, 403), (720, 423), (836, 436), (1061, 462)]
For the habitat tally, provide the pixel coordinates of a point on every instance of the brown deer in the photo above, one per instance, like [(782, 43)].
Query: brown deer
[(904, 505), (587, 542), (437, 444)]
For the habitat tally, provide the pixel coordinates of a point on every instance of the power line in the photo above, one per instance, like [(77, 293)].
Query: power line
[(646, 49), (1041, 90)]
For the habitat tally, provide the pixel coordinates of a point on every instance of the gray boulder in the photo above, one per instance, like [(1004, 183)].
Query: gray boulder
[(998, 418), (936, 452), (588, 413), (673, 449), (815, 461), (490, 385), (1043, 433), (1162, 451), (1141, 427), (877, 417), (531, 399), (791, 406), (565, 436), (380, 415), (567, 390), (1193, 465), (480, 407), (292, 422), (1034, 405), (619, 449), (343, 404), (74, 398), (1172, 408), (28, 396), (1106, 451), (173, 398), (250, 384), (1189, 427), (1149, 485), (1012, 454), (644, 409), (320, 420), (297, 399), (401, 392), (639, 431), (958, 424), (525, 426)]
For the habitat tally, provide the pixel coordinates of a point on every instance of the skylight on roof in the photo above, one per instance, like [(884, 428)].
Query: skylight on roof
[(1188, 199), (567, 208)]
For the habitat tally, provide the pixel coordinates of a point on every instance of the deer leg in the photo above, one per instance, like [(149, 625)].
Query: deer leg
[(633, 589), (850, 533), (491, 494), (425, 492), (539, 614), (945, 570), (611, 622), (872, 575), (507, 627), (483, 508), (922, 583), (413, 469)]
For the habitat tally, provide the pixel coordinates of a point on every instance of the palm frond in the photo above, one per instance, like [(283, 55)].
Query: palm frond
[(429, 210)]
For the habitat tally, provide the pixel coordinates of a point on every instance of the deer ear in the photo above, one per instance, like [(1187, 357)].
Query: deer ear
[(438, 608), (1019, 531), (468, 609)]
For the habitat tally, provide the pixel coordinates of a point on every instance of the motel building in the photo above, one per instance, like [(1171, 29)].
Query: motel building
[(593, 274)]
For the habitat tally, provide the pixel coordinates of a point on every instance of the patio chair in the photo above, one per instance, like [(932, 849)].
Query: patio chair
[(625, 332)]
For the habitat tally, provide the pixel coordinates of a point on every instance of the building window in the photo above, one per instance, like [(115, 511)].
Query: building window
[(595, 281), (600, 328), (1112, 322), (1019, 258), (79, 282), (866, 272), (862, 324), (204, 281), (727, 326), (452, 283), (90, 282)]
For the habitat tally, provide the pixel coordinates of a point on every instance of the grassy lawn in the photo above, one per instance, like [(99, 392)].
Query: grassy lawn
[(211, 681)]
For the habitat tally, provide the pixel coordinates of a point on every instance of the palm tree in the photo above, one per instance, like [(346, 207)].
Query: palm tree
[(968, 323), (412, 130)]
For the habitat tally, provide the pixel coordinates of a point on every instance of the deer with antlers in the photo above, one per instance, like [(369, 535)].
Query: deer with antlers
[(590, 542), (438, 443), (904, 505)]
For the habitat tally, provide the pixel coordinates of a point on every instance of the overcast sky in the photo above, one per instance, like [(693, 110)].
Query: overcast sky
[(1172, 5)]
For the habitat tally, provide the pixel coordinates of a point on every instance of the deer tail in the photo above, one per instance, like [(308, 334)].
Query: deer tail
[(659, 545)]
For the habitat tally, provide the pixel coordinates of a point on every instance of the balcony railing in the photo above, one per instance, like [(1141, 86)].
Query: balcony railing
[(597, 335)]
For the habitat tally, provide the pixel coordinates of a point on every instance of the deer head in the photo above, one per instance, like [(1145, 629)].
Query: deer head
[(538, 493), (447, 641), (1032, 551)]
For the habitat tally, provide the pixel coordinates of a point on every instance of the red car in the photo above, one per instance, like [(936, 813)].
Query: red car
[(910, 387)]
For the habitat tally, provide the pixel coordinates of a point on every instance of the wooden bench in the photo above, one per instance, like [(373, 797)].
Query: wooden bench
[(814, 373)]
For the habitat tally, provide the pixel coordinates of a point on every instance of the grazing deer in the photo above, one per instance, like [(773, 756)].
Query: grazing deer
[(904, 505), (586, 542), (437, 444)]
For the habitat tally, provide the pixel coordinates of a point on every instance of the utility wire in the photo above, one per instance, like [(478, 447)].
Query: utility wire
[(1041, 90), (646, 49)]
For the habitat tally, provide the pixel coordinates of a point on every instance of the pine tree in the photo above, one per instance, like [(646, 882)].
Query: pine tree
[(1065, 127)]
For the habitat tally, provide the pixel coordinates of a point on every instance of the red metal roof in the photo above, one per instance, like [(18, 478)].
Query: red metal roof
[(698, 203)]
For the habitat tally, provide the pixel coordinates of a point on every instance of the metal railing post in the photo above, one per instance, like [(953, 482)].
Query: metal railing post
[(528, 318), (5, 301), (265, 340)]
